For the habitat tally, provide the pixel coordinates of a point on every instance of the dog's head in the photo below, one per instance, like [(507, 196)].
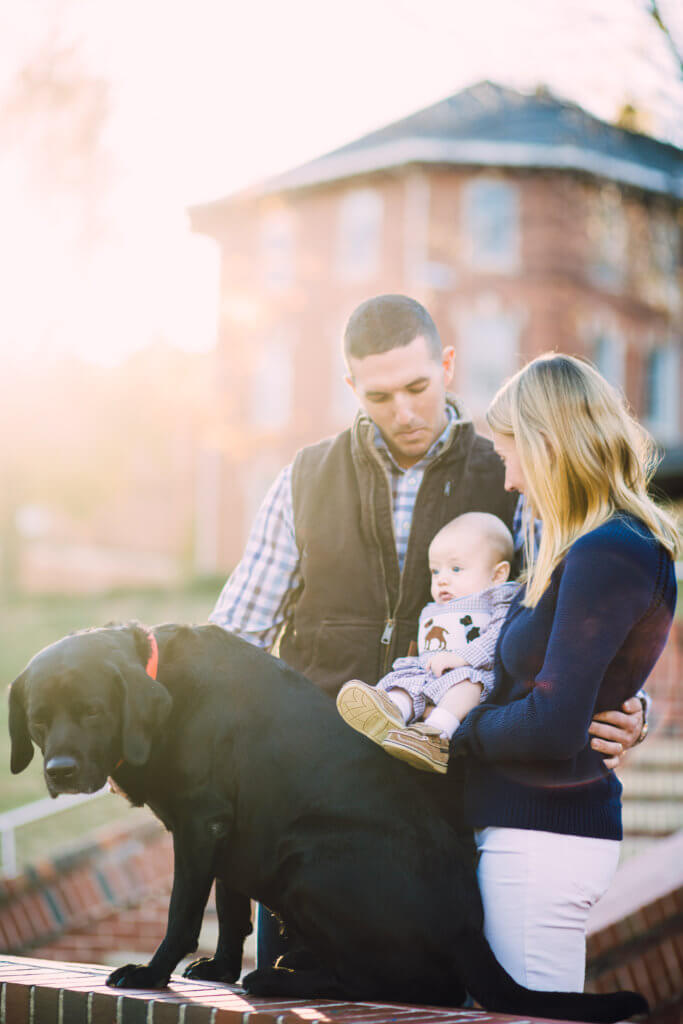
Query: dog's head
[(87, 703)]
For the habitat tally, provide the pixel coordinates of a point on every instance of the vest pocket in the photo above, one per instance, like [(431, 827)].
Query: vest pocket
[(344, 650)]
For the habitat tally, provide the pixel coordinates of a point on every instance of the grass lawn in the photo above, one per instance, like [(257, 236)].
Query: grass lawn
[(27, 625)]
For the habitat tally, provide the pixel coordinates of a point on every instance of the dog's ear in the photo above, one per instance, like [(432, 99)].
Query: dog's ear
[(22, 747), (146, 704)]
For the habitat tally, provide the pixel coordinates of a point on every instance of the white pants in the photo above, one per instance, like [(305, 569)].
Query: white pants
[(537, 889)]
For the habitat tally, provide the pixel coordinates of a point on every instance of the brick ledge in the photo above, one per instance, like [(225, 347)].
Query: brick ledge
[(47, 992)]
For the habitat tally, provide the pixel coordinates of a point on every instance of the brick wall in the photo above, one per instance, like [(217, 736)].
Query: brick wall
[(92, 899)]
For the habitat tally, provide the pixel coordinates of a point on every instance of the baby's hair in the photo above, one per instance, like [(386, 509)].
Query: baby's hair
[(492, 529)]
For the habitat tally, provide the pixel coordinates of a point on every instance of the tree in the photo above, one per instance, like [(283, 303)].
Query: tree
[(54, 172), (662, 22)]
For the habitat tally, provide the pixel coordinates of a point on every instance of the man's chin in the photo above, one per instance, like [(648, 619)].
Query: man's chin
[(412, 446)]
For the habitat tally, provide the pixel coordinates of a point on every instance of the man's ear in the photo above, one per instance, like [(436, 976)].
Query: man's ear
[(500, 573), (448, 364), (145, 707), (22, 747)]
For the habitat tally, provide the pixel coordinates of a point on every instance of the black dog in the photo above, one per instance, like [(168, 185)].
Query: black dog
[(268, 792)]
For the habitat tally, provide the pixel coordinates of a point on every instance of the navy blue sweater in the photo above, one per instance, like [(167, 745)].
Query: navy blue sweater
[(587, 646)]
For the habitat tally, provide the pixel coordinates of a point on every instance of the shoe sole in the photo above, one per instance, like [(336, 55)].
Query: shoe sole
[(367, 711), (415, 758)]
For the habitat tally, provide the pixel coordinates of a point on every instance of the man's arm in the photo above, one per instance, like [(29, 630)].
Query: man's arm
[(614, 732), (253, 602)]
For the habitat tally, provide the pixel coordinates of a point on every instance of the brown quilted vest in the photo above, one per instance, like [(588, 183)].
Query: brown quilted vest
[(355, 612)]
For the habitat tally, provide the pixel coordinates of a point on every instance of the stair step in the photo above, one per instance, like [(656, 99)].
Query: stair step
[(659, 817), (657, 751), (633, 846), (654, 785)]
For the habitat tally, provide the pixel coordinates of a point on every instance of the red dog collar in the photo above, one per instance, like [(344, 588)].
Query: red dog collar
[(150, 668), (153, 661)]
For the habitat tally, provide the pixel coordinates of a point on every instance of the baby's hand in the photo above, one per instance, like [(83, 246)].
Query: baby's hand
[(444, 662)]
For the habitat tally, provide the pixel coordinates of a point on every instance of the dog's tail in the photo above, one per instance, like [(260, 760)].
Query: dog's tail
[(492, 987)]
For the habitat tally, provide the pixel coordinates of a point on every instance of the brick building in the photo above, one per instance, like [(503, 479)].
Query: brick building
[(522, 222)]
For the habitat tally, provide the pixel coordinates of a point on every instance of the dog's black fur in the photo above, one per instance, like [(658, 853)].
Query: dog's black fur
[(268, 792)]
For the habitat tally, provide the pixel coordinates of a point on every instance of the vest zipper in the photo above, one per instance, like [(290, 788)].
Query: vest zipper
[(385, 639), (391, 622), (388, 632)]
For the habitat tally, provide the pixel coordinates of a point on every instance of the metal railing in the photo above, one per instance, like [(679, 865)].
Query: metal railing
[(36, 811)]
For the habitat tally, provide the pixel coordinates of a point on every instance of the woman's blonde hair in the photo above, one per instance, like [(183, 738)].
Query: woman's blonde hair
[(584, 457)]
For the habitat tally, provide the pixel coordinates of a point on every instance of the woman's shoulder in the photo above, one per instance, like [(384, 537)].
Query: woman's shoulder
[(623, 535)]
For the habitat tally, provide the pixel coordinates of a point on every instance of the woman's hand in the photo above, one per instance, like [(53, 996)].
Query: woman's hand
[(444, 662), (614, 732)]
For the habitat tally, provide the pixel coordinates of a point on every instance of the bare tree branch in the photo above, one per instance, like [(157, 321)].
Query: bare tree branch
[(661, 23)]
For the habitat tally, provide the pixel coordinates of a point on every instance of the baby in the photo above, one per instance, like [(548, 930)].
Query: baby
[(469, 562)]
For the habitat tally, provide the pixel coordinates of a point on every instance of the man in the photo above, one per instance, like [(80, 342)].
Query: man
[(335, 564)]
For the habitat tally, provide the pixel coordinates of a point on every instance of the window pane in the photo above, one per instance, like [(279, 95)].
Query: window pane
[(277, 249), (491, 225), (360, 232), (608, 356), (271, 383), (661, 392), (488, 346)]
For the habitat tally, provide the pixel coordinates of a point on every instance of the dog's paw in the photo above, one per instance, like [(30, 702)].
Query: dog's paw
[(211, 969), (264, 981), (136, 976)]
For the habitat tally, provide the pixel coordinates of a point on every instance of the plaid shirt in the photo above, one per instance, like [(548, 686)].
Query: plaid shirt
[(253, 602)]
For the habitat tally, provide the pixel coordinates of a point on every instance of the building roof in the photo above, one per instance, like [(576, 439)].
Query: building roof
[(489, 125)]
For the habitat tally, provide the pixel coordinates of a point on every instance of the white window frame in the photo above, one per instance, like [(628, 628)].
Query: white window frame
[(359, 236), (662, 416)]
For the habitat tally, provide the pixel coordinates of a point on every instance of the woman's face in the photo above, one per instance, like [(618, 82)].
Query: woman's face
[(506, 447)]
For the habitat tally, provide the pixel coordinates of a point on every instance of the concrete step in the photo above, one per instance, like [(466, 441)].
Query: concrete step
[(659, 817), (657, 785), (633, 846), (656, 752)]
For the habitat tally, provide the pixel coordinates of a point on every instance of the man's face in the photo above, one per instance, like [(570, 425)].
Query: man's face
[(404, 392)]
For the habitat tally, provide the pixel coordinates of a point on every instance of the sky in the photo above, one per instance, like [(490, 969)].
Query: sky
[(208, 96)]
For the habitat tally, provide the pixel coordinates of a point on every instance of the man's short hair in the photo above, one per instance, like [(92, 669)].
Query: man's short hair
[(389, 321)]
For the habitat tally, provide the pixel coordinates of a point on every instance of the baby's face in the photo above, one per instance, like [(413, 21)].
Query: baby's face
[(460, 563)]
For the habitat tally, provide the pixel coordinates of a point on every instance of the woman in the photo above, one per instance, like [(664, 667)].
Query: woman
[(582, 636)]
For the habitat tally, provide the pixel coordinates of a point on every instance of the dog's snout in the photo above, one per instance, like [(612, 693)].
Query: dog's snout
[(61, 769)]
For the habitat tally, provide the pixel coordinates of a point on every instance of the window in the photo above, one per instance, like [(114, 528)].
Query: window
[(360, 234), (488, 344), (662, 380), (608, 356), (665, 258), (491, 225), (271, 383), (608, 235), (277, 249)]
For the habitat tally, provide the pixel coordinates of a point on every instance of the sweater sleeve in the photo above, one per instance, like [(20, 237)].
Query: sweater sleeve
[(606, 586)]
